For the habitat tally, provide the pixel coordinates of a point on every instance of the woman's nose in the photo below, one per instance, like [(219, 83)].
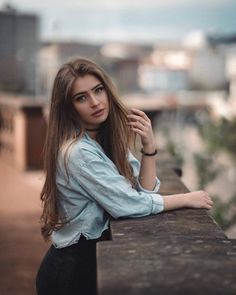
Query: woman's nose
[(93, 100)]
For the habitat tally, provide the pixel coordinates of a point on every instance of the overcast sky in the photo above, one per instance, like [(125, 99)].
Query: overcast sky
[(141, 20)]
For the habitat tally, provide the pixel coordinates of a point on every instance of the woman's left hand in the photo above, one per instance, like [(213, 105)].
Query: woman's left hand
[(141, 124)]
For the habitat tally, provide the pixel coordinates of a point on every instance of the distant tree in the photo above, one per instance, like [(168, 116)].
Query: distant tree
[(218, 135), (205, 168), (225, 213), (173, 149)]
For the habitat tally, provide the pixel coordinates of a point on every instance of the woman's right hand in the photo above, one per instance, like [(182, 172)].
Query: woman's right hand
[(198, 199)]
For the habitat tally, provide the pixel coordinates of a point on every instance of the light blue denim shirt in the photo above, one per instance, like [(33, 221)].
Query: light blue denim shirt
[(96, 191)]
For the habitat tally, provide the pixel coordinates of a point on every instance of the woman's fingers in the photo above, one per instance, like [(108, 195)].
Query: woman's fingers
[(138, 119), (138, 125), (208, 199), (140, 132), (209, 202), (141, 124), (200, 199), (140, 113)]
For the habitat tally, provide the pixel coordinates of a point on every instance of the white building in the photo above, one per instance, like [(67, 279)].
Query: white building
[(122, 61), (231, 72), (207, 70), (165, 70)]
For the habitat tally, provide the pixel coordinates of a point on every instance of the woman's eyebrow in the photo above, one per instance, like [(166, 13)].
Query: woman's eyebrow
[(83, 92)]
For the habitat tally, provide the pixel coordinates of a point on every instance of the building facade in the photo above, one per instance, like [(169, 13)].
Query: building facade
[(19, 42)]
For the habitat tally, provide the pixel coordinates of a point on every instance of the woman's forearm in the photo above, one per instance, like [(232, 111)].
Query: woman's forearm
[(141, 124), (174, 202), (196, 199), (147, 174)]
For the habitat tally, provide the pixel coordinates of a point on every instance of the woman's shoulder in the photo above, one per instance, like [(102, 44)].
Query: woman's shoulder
[(85, 148), (78, 153)]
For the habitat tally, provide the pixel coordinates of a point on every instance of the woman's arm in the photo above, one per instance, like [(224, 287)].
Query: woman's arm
[(98, 180), (197, 199), (147, 174), (141, 124)]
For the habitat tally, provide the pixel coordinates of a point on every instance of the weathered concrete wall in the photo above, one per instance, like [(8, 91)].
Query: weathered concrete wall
[(176, 252)]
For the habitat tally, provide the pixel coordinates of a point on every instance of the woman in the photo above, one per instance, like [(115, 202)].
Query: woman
[(91, 175)]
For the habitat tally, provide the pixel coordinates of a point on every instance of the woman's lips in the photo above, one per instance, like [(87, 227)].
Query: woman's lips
[(98, 113)]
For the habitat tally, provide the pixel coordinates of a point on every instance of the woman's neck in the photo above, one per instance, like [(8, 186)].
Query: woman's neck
[(92, 129), (92, 134)]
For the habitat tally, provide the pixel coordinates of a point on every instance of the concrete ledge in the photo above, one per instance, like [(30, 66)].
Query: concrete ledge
[(177, 252)]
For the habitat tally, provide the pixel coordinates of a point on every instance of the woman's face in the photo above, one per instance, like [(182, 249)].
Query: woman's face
[(90, 100)]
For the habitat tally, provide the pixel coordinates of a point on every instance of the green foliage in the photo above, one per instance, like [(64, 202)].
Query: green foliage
[(224, 212), (173, 149), (220, 135), (205, 170)]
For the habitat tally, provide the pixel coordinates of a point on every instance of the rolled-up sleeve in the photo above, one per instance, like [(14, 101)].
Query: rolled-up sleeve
[(155, 189), (112, 191)]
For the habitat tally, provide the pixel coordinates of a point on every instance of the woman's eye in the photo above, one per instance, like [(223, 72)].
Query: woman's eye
[(80, 98), (99, 89)]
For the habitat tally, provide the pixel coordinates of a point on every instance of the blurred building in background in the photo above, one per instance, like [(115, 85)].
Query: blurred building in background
[(207, 70), (231, 72), (53, 54), (195, 64), (231, 75), (165, 69), (19, 35), (122, 60)]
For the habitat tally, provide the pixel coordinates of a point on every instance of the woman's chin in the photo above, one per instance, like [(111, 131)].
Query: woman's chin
[(98, 121)]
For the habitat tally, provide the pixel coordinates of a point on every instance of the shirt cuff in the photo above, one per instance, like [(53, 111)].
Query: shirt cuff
[(157, 203), (155, 190)]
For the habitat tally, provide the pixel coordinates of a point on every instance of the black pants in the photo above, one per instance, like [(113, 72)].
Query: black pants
[(68, 271)]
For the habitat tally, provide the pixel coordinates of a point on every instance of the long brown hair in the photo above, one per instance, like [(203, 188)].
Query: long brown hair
[(63, 126)]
